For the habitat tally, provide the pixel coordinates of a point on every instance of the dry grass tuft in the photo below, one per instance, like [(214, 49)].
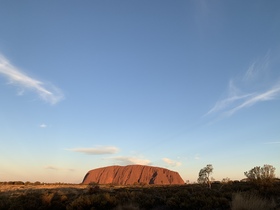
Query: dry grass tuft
[(246, 201), (47, 198)]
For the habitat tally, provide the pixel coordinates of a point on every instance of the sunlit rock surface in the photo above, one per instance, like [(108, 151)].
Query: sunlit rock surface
[(132, 174)]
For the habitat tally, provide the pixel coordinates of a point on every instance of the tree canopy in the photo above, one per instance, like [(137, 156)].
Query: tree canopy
[(259, 174), (204, 174)]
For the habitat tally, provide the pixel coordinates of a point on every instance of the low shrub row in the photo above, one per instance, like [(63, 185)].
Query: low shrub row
[(192, 196)]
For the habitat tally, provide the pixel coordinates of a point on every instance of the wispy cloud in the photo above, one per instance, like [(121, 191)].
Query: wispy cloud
[(267, 95), (255, 86), (101, 150), (52, 168), (58, 168), (124, 160), (43, 125), (46, 92), (171, 163)]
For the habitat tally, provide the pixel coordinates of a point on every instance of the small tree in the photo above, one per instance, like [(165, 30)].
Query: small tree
[(203, 176), (261, 175), (226, 180)]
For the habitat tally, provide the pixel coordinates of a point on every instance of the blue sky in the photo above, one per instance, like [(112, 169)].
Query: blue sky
[(174, 84)]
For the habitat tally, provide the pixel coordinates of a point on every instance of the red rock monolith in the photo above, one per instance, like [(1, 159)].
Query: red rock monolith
[(132, 174)]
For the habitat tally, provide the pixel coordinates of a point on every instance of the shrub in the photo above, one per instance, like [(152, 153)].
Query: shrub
[(129, 206), (261, 175), (37, 183), (93, 189), (249, 201), (95, 201)]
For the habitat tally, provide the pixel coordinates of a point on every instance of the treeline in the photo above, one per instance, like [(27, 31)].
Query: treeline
[(32, 183)]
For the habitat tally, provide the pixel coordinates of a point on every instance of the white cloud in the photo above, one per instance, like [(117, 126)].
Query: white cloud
[(254, 87), (131, 160), (228, 102), (43, 125), (270, 94), (96, 150), (170, 162), (48, 93), (257, 69)]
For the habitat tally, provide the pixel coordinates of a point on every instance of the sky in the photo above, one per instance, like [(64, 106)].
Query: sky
[(174, 84)]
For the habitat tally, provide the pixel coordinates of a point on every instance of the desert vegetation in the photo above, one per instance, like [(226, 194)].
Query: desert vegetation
[(261, 175), (233, 195), (204, 175)]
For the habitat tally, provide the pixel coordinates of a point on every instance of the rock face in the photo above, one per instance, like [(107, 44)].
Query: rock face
[(132, 174)]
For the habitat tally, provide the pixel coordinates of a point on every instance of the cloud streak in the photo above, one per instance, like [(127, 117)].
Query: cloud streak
[(131, 160), (48, 93), (254, 87), (171, 163), (58, 168), (96, 150)]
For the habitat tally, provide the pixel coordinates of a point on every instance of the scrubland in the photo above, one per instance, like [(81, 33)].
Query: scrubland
[(232, 196)]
